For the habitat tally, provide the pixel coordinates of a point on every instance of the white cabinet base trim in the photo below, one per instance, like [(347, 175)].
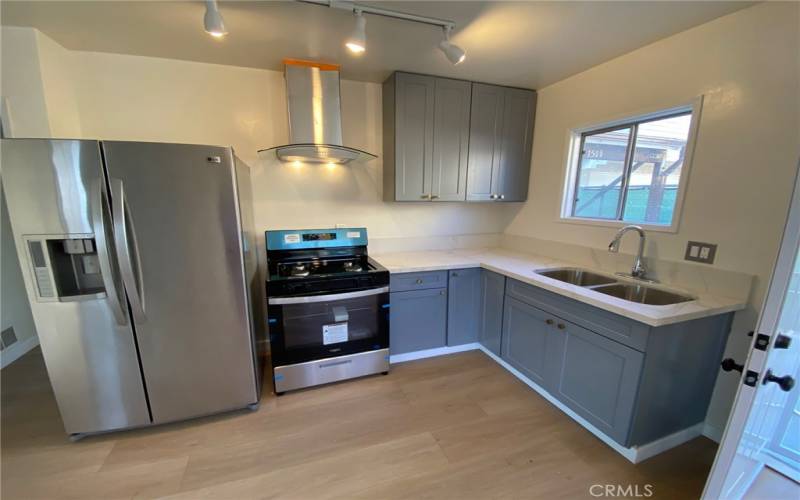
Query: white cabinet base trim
[(430, 353), (16, 351), (635, 454)]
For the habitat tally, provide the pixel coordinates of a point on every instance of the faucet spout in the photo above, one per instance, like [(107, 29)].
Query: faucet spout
[(638, 270)]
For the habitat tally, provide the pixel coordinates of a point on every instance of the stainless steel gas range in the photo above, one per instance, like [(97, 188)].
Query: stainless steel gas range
[(328, 307)]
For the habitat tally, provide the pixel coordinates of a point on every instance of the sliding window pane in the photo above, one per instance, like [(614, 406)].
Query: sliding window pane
[(658, 157), (600, 174)]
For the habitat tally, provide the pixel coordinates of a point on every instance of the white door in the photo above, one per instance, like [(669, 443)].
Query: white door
[(759, 456)]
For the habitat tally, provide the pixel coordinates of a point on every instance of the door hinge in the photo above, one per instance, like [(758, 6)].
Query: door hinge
[(750, 378), (762, 342)]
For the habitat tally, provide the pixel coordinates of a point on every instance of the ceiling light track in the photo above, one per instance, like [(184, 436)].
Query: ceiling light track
[(379, 11), (357, 42)]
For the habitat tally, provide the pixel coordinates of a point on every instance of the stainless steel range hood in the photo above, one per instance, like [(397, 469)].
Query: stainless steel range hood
[(315, 116)]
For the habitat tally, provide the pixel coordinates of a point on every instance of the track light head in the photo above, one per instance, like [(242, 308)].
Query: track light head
[(453, 52), (357, 42), (213, 20)]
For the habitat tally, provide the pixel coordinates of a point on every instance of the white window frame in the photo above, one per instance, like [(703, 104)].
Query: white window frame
[(572, 159)]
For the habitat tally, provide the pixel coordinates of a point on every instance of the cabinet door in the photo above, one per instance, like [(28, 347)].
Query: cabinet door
[(450, 140), (414, 111), (519, 107), (418, 320), (492, 296), (527, 333), (463, 306), (486, 125), (597, 378)]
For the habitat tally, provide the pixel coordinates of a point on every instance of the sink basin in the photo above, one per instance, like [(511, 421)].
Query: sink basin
[(575, 276), (643, 294)]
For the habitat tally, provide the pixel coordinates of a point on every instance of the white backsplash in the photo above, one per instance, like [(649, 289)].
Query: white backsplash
[(422, 243)]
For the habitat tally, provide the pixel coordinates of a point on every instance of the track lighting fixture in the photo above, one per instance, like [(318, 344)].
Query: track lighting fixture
[(213, 20), (453, 52), (357, 43)]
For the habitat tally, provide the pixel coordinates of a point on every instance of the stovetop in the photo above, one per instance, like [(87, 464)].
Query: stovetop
[(324, 267)]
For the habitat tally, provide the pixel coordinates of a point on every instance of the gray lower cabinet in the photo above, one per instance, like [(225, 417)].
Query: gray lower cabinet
[(463, 306), (526, 336), (596, 377), (492, 298), (425, 137), (418, 320), (500, 144), (633, 382)]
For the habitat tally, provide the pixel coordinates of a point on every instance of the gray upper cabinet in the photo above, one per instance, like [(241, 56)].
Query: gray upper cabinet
[(463, 306), (453, 140), (492, 298), (408, 136), (425, 137), (450, 140), (501, 137)]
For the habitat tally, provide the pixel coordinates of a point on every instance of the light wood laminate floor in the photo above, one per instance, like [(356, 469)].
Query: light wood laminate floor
[(458, 427)]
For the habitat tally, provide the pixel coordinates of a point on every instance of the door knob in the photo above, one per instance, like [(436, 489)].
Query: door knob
[(785, 383), (729, 364)]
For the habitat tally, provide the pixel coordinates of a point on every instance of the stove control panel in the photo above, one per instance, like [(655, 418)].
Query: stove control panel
[(294, 239)]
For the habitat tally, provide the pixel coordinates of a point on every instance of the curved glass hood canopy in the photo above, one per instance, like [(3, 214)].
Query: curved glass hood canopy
[(315, 119)]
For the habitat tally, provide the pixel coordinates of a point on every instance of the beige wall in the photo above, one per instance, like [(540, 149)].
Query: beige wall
[(746, 66), (150, 99)]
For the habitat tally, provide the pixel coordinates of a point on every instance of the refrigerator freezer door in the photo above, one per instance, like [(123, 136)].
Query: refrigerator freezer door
[(57, 197), (178, 229)]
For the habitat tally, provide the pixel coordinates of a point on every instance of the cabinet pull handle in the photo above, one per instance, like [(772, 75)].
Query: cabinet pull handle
[(549, 321), (492, 196), (426, 197), (419, 281), (561, 326), (455, 275), (434, 196), (441, 292), (502, 197)]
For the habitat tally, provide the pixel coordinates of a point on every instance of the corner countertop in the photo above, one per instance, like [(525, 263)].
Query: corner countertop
[(521, 266)]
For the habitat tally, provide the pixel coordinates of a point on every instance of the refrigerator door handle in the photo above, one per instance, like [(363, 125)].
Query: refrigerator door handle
[(101, 211), (128, 250)]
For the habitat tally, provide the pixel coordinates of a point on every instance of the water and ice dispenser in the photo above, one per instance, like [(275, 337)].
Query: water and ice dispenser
[(65, 268)]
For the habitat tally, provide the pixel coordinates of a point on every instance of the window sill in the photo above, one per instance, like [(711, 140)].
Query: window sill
[(618, 224)]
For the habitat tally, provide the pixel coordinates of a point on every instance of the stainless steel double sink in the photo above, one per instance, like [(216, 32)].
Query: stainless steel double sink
[(632, 292)]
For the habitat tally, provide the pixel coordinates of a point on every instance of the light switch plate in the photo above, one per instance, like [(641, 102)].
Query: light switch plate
[(697, 251)]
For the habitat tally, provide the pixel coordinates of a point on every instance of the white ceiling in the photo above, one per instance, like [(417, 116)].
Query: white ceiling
[(526, 44)]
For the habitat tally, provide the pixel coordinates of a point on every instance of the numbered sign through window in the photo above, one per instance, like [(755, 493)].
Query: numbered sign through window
[(631, 171)]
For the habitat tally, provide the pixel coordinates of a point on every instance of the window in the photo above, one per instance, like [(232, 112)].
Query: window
[(631, 171)]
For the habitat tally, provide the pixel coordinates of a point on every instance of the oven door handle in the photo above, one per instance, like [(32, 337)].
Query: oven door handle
[(277, 301)]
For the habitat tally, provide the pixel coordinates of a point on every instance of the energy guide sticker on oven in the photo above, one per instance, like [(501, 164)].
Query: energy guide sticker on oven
[(291, 238), (354, 234), (335, 333)]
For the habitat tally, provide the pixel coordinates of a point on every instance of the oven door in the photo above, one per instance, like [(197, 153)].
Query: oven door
[(325, 326)]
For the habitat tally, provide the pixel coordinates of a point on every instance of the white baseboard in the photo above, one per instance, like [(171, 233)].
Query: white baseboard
[(430, 353), (654, 448), (712, 433), (16, 351), (635, 455)]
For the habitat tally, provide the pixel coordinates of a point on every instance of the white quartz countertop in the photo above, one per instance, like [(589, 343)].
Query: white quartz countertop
[(522, 267)]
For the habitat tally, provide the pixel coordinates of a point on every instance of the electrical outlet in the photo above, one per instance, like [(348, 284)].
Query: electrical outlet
[(697, 251)]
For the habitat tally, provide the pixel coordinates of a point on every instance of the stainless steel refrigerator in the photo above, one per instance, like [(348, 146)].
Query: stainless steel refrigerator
[(139, 263)]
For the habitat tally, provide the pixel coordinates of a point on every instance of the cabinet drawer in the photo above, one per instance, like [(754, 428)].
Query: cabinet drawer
[(623, 330), (418, 281)]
